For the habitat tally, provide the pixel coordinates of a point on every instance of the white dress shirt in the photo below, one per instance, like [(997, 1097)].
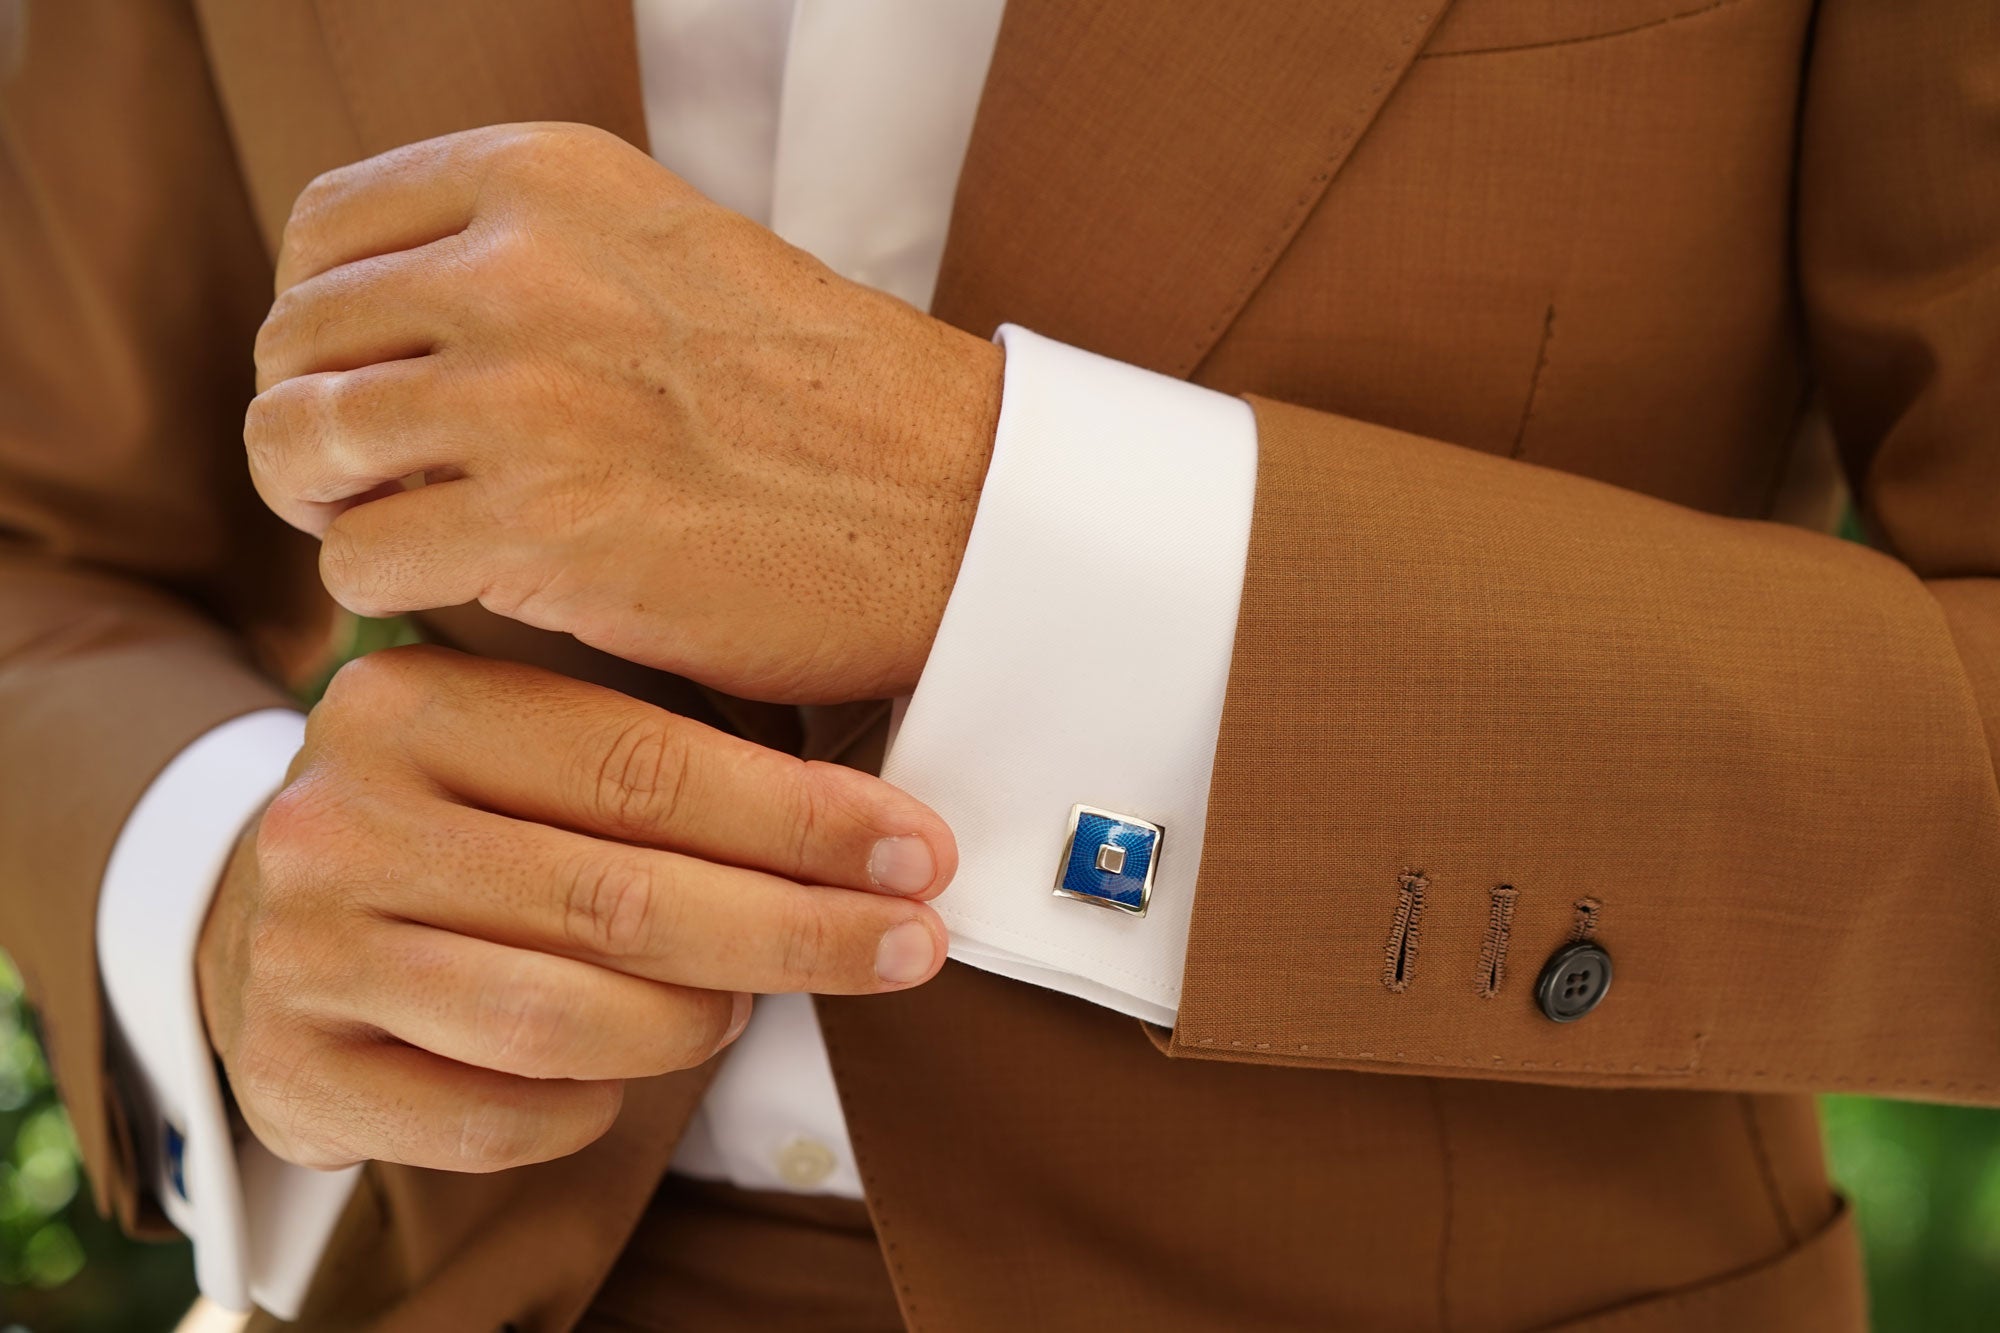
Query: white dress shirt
[(1082, 658)]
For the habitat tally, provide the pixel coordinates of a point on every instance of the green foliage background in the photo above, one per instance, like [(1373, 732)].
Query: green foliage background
[(1925, 1181)]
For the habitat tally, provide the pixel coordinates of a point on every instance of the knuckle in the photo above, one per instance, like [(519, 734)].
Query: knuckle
[(279, 949), (541, 145), (270, 338), (521, 156), (641, 773), (515, 589), (395, 686), (612, 907), (808, 814), (345, 570), (319, 192), (301, 244), (525, 1022), (598, 1105), (275, 1077), (263, 1073), (330, 399), (300, 250), (357, 577), (270, 424), (263, 421), (297, 831), (280, 320), (701, 1036), (521, 1125), (373, 684), (308, 851), (803, 944), (492, 1136), (516, 282), (288, 819), (587, 1112)]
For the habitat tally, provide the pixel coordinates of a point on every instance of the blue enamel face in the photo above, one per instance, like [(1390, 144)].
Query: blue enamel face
[(1110, 859)]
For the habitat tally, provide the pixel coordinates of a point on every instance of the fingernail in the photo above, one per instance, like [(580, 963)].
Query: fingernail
[(902, 865), (906, 953), (740, 1019)]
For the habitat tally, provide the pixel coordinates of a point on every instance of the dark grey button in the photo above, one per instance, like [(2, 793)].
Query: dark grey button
[(1575, 981)]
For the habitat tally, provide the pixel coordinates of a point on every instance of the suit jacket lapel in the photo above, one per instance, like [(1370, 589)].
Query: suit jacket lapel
[(414, 71), (1137, 166)]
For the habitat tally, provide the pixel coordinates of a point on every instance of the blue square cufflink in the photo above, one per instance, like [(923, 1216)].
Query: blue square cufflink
[(173, 1160), (1109, 859)]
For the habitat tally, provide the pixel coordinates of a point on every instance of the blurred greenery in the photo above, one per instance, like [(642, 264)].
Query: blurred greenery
[(1925, 1181), (63, 1269)]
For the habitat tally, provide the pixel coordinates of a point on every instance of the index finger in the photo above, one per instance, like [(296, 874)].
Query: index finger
[(529, 743), (398, 200)]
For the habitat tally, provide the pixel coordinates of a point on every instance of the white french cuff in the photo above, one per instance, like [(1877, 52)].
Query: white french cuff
[(1082, 660), (258, 1223)]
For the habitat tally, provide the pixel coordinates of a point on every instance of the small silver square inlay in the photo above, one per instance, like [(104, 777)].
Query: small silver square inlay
[(1111, 859)]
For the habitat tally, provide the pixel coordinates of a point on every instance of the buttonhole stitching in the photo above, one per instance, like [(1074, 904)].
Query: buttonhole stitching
[(1588, 910), (892, 1258), (1399, 960), (1499, 930)]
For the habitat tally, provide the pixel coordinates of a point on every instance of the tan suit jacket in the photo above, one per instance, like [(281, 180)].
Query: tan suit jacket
[(1536, 297)]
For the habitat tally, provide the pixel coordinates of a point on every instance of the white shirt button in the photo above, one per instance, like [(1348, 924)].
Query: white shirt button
[(805, 1163)]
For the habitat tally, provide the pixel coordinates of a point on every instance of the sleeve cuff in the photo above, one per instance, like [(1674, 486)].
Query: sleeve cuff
[(1083, 659), (258, 1224)]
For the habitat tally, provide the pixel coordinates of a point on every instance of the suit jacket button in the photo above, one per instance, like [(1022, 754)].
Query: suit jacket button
[(1574, 982)]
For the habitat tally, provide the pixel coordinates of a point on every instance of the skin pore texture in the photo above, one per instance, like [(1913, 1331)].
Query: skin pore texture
[(644, 420)]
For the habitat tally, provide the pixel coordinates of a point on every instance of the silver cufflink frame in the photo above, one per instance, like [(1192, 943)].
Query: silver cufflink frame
[(1076, 814)]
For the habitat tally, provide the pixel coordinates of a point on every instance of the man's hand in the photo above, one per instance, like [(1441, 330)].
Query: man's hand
[(641, 418), (422, 954)]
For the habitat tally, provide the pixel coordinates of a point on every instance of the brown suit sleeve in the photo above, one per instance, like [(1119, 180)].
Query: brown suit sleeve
[(136, 568), (1765, 754)]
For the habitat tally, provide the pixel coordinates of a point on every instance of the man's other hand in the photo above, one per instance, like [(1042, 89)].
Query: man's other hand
[(489, 894), (641, 418)]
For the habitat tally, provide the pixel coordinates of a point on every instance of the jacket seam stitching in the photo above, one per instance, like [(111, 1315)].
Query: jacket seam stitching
[(906, 1298), (1319, 1052)]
